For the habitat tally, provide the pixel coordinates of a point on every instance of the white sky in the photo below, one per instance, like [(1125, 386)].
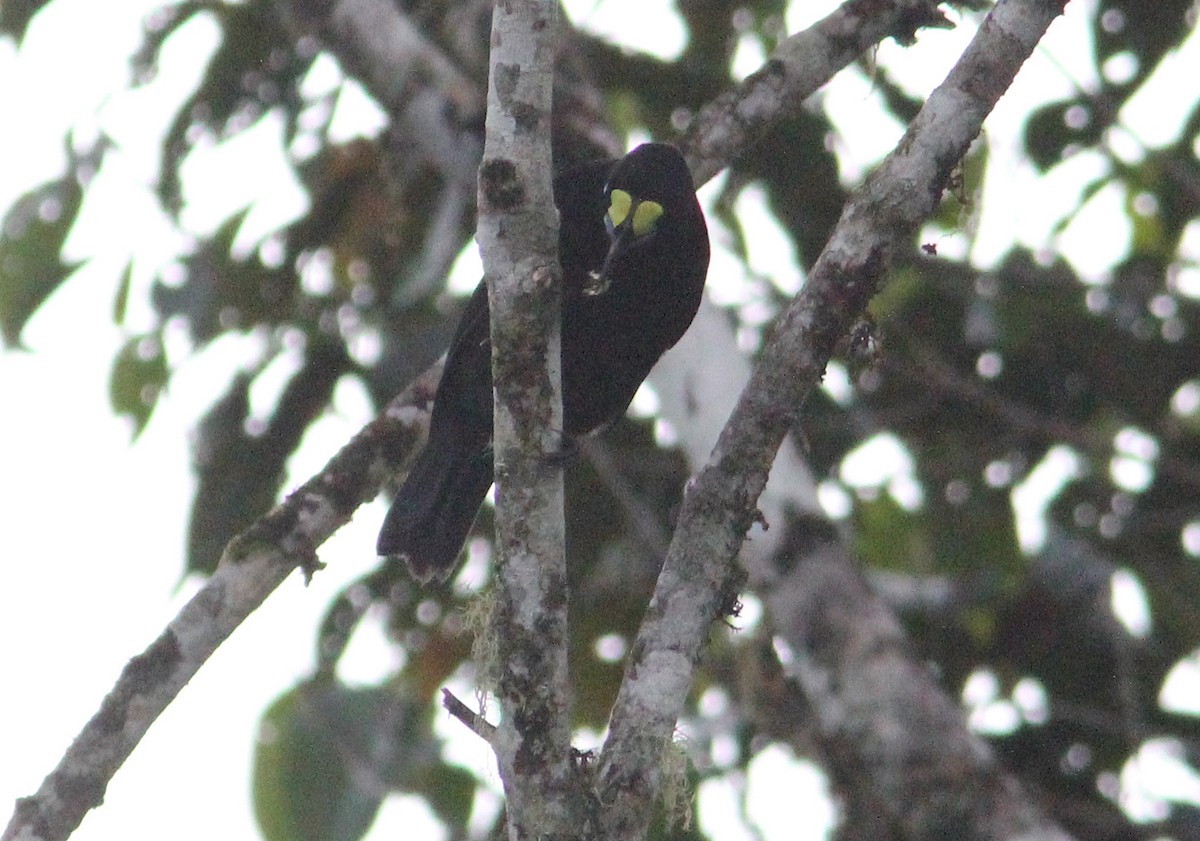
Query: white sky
[(90, 555)]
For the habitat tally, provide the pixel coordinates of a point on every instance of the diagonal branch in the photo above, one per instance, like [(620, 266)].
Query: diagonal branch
[(253, 565), (798, 67), (892, 735), (720, 504), (429, 98)]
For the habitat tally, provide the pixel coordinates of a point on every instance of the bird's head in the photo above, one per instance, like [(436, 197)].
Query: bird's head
[(649, 192)]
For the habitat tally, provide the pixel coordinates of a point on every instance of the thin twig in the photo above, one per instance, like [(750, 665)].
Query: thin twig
[(477, 724)]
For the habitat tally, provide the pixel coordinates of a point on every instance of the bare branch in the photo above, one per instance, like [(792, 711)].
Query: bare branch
[(433, 103), (477, 724), (892, 735), (254, 564), (721, 503), (797, 68)]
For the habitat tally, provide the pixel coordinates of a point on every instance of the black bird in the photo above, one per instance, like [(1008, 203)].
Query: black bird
[(634, 252)]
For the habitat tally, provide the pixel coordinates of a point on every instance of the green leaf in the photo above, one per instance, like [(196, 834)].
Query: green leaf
[(1147, 30), (139, 373), (450, 792), (1053, 128), (160, 25), (233, 487), (31, 240), (328, 755), (214, 283)]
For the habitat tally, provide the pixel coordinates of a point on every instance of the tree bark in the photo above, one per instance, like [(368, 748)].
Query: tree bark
[(518, 237)]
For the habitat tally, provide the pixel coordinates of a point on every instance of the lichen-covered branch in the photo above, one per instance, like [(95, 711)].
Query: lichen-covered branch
[(721, 503), (254, 564), (798, 67), (518, 239)]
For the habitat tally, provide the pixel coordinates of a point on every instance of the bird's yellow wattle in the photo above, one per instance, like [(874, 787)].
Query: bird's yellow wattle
[(645, 215), (620, 203)]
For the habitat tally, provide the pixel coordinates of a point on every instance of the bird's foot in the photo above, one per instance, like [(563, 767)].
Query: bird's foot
[(597, 284)]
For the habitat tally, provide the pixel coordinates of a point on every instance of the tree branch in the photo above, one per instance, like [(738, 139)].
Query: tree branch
[(720, 504), (518, 238), (798, 67), (845, 645), (891, 734), (474, 721), (430, 99), (253, 565)]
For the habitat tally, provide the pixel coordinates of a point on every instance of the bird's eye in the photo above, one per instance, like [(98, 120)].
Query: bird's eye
[(645, 213)]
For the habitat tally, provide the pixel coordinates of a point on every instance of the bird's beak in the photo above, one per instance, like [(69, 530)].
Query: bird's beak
[(599, 282)]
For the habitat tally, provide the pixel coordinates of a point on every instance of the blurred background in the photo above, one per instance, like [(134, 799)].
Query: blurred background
[(233, 230)]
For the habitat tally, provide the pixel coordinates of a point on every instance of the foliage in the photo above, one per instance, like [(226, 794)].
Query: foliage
[(981, 375), (328, 755), (31, 242)]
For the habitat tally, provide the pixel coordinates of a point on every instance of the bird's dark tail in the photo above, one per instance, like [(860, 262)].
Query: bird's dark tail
[(435, 508)]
